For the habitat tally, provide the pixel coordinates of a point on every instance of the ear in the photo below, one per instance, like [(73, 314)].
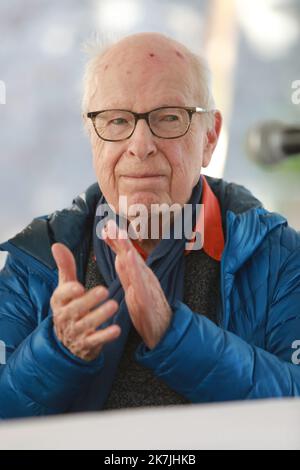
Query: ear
[(212, 137)]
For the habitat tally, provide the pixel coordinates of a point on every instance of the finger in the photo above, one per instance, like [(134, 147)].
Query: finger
[(79, 307), (122, 271), (103, 336), (116, 238), (139, 260), (138, 276), (145, 281), (134, 307), (136, 303), (108, 241), (95, 319), (65, 293), (141, 269), (138, 268), (110, 234), (65, 262)]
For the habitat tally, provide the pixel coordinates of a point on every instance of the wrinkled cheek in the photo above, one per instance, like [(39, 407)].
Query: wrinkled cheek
[(106, 178), (104, 171), (99, 158), (97, 147), (95, 153), (180, 164), (185, 174)]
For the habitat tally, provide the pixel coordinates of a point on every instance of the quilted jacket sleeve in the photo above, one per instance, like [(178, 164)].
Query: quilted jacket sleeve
[(206, 363), (38, 376)]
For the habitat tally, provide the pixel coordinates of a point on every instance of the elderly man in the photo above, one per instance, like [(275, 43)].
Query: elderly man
[(93, 318)]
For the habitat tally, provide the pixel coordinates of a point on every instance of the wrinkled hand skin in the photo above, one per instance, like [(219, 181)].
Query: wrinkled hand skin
[(76, 317), (146, 302)]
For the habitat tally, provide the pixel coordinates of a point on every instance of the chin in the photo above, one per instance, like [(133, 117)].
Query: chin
[(145, 198)]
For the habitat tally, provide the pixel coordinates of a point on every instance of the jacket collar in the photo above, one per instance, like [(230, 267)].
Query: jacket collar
[(209, 224)]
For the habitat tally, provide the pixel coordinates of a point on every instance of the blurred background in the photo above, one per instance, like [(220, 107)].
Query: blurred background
[(253, 48)]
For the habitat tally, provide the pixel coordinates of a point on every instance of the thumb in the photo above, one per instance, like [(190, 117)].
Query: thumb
[(65, 262)]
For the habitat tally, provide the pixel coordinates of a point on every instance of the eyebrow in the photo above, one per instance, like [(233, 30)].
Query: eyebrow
[(166, 104)]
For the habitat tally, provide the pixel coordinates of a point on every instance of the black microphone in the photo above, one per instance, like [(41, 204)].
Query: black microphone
[(271, 142)]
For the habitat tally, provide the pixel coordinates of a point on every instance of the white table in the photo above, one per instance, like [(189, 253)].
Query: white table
[(271, 424)]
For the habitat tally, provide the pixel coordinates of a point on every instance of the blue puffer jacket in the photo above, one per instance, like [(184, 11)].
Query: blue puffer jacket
[(248, 356)]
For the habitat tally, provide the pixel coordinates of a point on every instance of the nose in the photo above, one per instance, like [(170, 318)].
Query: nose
[(141, 144)]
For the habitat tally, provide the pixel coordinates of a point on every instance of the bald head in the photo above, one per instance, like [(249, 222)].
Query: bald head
[(136, 58), (151, 47)]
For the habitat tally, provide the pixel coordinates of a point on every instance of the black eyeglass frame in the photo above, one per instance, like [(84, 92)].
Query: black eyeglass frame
[(191, 110)]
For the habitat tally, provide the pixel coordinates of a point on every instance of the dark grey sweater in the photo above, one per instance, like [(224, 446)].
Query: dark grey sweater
[(134, 385)]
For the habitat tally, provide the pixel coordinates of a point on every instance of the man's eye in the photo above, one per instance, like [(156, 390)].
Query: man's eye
[(118, 121), (169, 118)]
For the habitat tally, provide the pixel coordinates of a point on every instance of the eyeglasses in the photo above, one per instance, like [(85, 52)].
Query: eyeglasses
[(167, 122)]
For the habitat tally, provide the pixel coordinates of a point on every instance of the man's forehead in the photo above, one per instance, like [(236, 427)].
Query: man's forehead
[(168, 86), (153, 47), (137, 101), (143, 75), (131, 67)]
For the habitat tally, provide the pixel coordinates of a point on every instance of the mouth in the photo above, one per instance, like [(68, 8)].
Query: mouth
[(144, 175)]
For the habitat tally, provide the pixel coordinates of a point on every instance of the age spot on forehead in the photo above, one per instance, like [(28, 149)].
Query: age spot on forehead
[(179, 54)]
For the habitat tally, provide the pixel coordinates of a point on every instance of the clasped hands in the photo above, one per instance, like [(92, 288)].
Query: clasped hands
[(76, 320)]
